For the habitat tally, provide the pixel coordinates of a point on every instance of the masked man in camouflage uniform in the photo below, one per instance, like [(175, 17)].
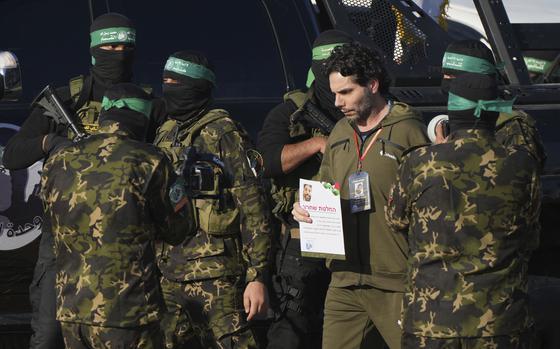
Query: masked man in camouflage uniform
[(365, 293), (112, 47), (211, 277), (107, 197), (292, 143), (470, 207), (517, 127)]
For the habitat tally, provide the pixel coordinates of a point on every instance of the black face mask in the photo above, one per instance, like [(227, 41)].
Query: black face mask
[(112, 67), (445, 85), (183, 102), (323, 93)]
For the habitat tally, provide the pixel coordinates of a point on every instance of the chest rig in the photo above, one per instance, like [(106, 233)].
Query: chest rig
[(211, 195)]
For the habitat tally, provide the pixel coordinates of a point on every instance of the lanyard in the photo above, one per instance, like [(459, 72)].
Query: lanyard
[(361, 157)]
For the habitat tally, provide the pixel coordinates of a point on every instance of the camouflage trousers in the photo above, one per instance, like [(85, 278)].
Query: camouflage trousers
[(523, 341), (209, 312), (80, 336)]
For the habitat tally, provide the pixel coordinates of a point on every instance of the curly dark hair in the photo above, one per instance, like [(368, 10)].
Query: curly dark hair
[(362, 62)]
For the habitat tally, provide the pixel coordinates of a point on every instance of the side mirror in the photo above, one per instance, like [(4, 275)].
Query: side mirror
[(10, 76)]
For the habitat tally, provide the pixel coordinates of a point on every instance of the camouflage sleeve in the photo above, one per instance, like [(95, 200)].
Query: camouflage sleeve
[(520, 129), (397, 211), (249, 197), (172, 227), (44, 189), (535, 210)]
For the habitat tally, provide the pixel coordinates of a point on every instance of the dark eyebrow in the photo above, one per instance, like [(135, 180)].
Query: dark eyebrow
[(344, 90)]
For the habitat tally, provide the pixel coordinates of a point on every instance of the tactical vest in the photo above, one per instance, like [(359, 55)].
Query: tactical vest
[(88, 111), (285, 190), (216, 213)]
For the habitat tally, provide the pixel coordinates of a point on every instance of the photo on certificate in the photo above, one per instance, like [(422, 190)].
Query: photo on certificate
[(323, 238)]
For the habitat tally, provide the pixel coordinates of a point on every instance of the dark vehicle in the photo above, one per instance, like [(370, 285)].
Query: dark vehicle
[(261, 49)]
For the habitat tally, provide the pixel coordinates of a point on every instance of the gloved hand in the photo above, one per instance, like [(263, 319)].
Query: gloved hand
[(53, 142)]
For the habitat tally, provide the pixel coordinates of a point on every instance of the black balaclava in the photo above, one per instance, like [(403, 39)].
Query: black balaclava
[(322, 90), (471, 48), (111, 67), (193, 94), (130, 106), (473, 87)]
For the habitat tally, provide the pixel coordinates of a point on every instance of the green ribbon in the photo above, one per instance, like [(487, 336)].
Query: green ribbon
[(467, 63), (190, 69), (459, 103), (324, 52), (137, 104), (110, 36), (539, 66)]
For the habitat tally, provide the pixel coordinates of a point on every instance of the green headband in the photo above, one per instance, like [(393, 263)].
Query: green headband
[(467, 63), (323, 52), (539, 66), (310, 78), (190, 69), (137, 104), (320, 53), (459, 103), (117, 35)]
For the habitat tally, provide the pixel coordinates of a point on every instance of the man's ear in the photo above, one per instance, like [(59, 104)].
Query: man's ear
[(373, 86)]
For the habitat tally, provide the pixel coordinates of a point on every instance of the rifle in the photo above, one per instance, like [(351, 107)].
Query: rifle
[(315, 118), (50, 101)]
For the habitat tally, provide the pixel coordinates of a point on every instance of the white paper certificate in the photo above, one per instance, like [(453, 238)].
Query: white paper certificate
[(324, 237)]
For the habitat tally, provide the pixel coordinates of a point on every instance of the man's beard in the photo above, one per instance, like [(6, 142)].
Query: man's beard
[(364, 108)]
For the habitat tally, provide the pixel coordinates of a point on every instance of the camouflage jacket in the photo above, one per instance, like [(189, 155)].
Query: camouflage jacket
[(233, 235), (107, 199), (470, 207), (519, 128)]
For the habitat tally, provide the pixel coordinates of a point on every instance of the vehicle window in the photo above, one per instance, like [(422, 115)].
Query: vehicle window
[(235, 35)]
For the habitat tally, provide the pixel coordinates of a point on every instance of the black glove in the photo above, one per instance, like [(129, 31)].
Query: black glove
[(53, 142)]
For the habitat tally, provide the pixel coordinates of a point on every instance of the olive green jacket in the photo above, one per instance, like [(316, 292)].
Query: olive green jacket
[(375, 256)]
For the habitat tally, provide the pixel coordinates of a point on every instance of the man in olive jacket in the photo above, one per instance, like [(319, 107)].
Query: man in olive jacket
[(364, 149)]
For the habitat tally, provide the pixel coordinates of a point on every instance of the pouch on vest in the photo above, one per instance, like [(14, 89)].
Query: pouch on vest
[(216, 213)]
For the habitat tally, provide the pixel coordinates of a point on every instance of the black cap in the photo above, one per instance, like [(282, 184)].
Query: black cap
[(332, 36), (472, 48), (110, 20)]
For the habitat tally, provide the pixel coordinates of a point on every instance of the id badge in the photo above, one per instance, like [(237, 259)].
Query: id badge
[(360, 199)]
